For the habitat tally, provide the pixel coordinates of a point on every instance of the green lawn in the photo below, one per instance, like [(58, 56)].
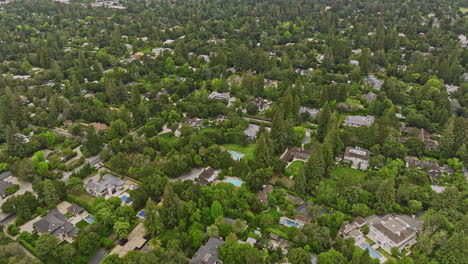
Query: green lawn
[(86, 197), (385, 254), (208, 130), (339, 172), (247, 150), (82, 224), (293, 169), (169, 138)]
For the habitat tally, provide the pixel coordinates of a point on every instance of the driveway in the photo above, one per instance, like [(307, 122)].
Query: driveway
[(191, 175)]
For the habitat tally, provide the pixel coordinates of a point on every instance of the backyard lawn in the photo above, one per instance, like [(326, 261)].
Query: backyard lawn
[(339, 172), (169, 139), (293, 169), (247, 150), (84, 196), (82, 224)]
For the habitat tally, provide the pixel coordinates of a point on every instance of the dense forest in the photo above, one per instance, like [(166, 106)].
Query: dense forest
[(298, 131)]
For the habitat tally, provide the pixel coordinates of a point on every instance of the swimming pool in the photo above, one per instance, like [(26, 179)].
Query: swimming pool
[(372, 252), (142, 213), (236, 182), (89, 219), (236, 155), (125, 199), (289, 223)]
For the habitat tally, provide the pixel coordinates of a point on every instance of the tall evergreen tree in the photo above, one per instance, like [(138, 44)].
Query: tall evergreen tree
[(171, 209), (314, 169), (323, 119), (264, 151)]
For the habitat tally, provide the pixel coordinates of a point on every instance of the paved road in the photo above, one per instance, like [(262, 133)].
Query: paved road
[(91, 160)]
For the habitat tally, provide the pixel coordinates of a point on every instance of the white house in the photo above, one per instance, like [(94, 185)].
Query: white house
[(108, 185), (393, 231)]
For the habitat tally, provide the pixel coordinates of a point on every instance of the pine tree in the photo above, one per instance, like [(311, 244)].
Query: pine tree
[(171, 209), (314, 169), (323, 120), (300, 182), (385, 195), (264, 152), (15, 145)]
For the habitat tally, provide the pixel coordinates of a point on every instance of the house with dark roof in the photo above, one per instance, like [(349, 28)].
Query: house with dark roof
[(75, 209), (296, 153), (261, 103), (422, 134), (108, 185), (208, 254), (433, 168), (4, 184), (56, 224), (358, 157), (207, 176), (193, 122)]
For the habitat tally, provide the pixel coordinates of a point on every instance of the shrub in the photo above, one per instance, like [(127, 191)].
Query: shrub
[(13, 230), (12, 189)]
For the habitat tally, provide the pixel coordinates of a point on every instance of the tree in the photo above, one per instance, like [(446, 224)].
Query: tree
[(212, 231), (233, 252), (15, 143), (117, 129), (299, 256), (155, 244), (152, 220), (323, 119), (87, 242), (314, 169), (52, 192), (171, 209), (364, 60), (454, 250), (331, 257), (46, 244), (264, 152), (300, 182), (122, 228), (216, 210), (385, 195), (414, 206), (239, 226)]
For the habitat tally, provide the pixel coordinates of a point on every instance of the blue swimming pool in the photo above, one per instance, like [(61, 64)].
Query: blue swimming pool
[(372, 252), (236, 155), (142, 213), (236, 182), (124, 198), (289, 223), (89, 219)]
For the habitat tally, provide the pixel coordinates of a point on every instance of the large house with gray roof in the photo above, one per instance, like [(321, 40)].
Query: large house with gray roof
[(393, 231), (108, 185), (359, 121), (56, 224), (208, 254)]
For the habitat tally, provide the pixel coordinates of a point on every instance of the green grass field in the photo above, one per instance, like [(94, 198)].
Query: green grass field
[(247, 150), (293, 169), (169, 138), (82, 224), (339, 172)]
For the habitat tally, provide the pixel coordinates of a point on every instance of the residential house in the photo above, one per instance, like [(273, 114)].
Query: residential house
[(369, 96), (252, 131), (219, 96), (99, 126), (358, 157), (268, 82), (207, 176), (263, 194), (393, 231), (422, 134), (296, 153), (168, 42), (432, 167), (108, 185), (311, 111), (159, 51), (57, 224), (261, 103), (208, 254), (75, 210), (194, 122), (278, 242), (358, 121), (374, 82)]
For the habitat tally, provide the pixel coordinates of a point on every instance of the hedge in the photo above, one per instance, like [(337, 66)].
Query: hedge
[(29, 247)]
